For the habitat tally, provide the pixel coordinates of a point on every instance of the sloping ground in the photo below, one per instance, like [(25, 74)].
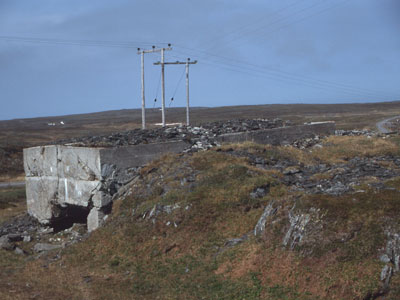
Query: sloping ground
[(21, 133), (237, 222)]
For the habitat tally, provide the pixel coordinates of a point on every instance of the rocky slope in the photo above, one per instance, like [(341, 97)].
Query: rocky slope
[(317, 220)]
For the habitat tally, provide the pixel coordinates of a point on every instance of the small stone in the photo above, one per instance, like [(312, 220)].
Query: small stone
[(87, 279), (19, 251), (15, 237), (236, 241), (5, 243), (386, 273), (40, 247), (291, 171), (384, 258)]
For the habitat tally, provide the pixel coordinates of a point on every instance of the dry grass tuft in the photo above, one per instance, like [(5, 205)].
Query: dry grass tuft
[(341, 148)]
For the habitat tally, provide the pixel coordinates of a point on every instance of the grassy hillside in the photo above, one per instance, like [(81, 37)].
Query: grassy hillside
[(185, 229)]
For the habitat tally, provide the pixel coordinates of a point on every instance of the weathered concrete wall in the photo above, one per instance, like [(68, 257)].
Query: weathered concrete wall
[(58, 176), (139, 155), (279, 136)]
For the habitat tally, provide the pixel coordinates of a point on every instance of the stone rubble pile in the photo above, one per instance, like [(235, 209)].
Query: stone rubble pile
[(200, 138), (308, 142), (356, 132), (316, 140), (22, 225), (25, 231), (334, 179)]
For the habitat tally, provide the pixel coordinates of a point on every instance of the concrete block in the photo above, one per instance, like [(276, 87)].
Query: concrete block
[(79, 163), (95, 219), (41, 195), (101, 199), (76, 192), (40, 161), (59, 175)]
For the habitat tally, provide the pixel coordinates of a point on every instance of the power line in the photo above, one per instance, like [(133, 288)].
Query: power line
[(309, 16), (282, 78), (238, 30), (246, 33), (158, 88), (285, 79), (260, 74), (346, 86), (92, 43), (244, 64), (179, 82)]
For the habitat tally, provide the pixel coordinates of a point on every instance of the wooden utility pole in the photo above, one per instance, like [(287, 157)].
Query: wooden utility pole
[(162, 89), (142, 52), (187, 63), (143, 96)]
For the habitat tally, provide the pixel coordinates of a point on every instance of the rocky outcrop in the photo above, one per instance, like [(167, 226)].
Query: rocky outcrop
[(332, 179), (268, 212), (391, 258), (297, 229)]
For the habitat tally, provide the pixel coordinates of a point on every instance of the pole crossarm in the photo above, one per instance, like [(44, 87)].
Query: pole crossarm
[(153, 50), (176, 63)]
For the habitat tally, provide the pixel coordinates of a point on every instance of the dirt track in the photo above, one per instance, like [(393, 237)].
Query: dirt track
[(11, 184), (381, 125)]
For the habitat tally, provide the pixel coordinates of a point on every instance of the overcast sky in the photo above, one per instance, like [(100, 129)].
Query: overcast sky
[(62, 57)]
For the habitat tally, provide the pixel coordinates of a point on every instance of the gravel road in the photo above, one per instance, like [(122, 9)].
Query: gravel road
[(12, 184), (381, 125)]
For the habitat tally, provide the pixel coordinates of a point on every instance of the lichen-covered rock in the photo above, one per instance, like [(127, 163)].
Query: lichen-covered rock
[(5, 243), (391, 257), (43, 247), (297, 229), (268, 212), (393, 250)]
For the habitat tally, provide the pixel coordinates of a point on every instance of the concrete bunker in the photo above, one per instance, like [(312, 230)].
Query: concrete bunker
[(68, 184)]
